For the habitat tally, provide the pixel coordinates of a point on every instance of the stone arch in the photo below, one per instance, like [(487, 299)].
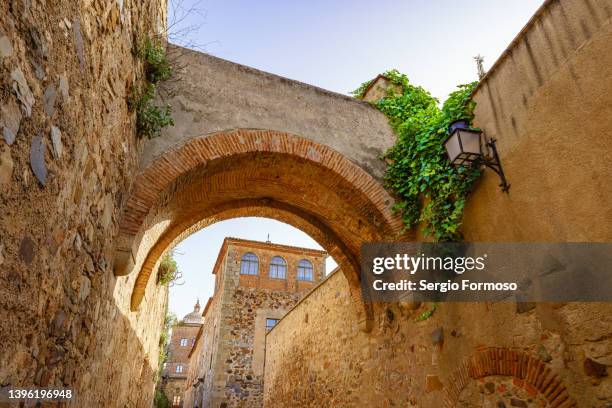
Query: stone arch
[(526, 370), (248, 172)]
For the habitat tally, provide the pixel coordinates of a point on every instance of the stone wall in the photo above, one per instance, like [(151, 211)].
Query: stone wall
[(231, 349), (465, 355), (200, 376), (67, 152), (174, 379)]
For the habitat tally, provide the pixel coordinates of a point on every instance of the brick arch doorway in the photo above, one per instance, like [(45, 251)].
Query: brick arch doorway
[(254, 173)]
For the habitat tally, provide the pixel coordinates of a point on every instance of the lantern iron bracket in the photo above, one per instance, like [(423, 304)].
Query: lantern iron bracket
[(494, 163)]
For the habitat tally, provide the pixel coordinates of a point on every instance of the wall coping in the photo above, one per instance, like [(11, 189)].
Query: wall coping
[(515, 41), (261, 245), (307, 295)]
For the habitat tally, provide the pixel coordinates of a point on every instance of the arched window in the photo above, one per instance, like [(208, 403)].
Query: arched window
[(278, 268), (304, 270), (249, 264)]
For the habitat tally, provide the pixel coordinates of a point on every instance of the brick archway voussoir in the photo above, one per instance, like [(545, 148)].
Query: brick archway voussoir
[(261, 208), (156, 178), (533, 373), (155, 187)]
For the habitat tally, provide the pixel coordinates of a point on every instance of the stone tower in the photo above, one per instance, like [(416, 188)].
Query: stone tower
[(257, 283), (174, 374)]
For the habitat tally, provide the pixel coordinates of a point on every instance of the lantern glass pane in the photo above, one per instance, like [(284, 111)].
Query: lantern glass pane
[(452, 147), (470, 142)]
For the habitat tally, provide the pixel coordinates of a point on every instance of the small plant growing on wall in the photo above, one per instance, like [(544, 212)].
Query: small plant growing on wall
[(157, 67), (168, 272), (160, 399), (151, 118)]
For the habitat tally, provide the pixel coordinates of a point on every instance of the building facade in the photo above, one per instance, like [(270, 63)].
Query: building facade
[(256, 284), (174, 374)]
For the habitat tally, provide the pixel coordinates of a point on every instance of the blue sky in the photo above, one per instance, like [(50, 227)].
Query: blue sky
[(336, 45)]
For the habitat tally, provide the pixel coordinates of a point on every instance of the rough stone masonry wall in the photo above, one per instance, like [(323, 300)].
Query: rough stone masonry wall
[(465, 355), (237, 380), (67, 152)]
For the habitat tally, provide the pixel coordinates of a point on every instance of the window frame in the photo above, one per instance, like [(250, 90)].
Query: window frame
[(251, 263), (184, 342), (301, 271), (277, 267), (268, 327), (176, 369)]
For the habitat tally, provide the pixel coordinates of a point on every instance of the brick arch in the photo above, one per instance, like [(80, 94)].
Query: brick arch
[(236, 209), (528, 370), (307, 184)]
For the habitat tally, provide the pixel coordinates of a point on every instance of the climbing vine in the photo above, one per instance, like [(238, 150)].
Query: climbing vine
[(428, 189)]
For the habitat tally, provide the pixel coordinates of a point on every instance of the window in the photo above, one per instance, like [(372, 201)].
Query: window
[(184, 342), (270, 323), (176, 400), (179, 368), (278, 268), (249, 264), (304, 270)]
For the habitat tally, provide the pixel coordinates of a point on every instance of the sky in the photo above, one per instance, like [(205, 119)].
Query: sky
[(197, 254), (336, 45)]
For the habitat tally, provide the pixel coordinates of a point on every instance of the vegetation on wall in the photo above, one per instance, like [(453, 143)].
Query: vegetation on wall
[(151, 118), (168, 272), (428, 189), (164, 339), (160, 399)]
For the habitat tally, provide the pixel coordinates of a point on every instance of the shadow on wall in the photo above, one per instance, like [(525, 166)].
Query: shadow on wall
[(466, 354)]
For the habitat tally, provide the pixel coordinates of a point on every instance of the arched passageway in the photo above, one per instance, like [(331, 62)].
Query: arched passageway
[(253, 173), (317, 168)]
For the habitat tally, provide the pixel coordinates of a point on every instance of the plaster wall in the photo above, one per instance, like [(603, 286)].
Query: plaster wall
[(212, 95), (547, 102)]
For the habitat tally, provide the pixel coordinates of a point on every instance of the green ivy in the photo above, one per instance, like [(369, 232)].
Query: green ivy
[(160, 400), (164, 339), (428, 189)]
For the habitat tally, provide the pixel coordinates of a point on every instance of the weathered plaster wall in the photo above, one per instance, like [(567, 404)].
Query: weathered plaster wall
[(466, 355), (214, 95), (547, 101), (67, 151)]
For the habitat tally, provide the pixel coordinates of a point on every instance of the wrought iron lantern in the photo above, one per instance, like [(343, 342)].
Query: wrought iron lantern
[(468, 147)]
